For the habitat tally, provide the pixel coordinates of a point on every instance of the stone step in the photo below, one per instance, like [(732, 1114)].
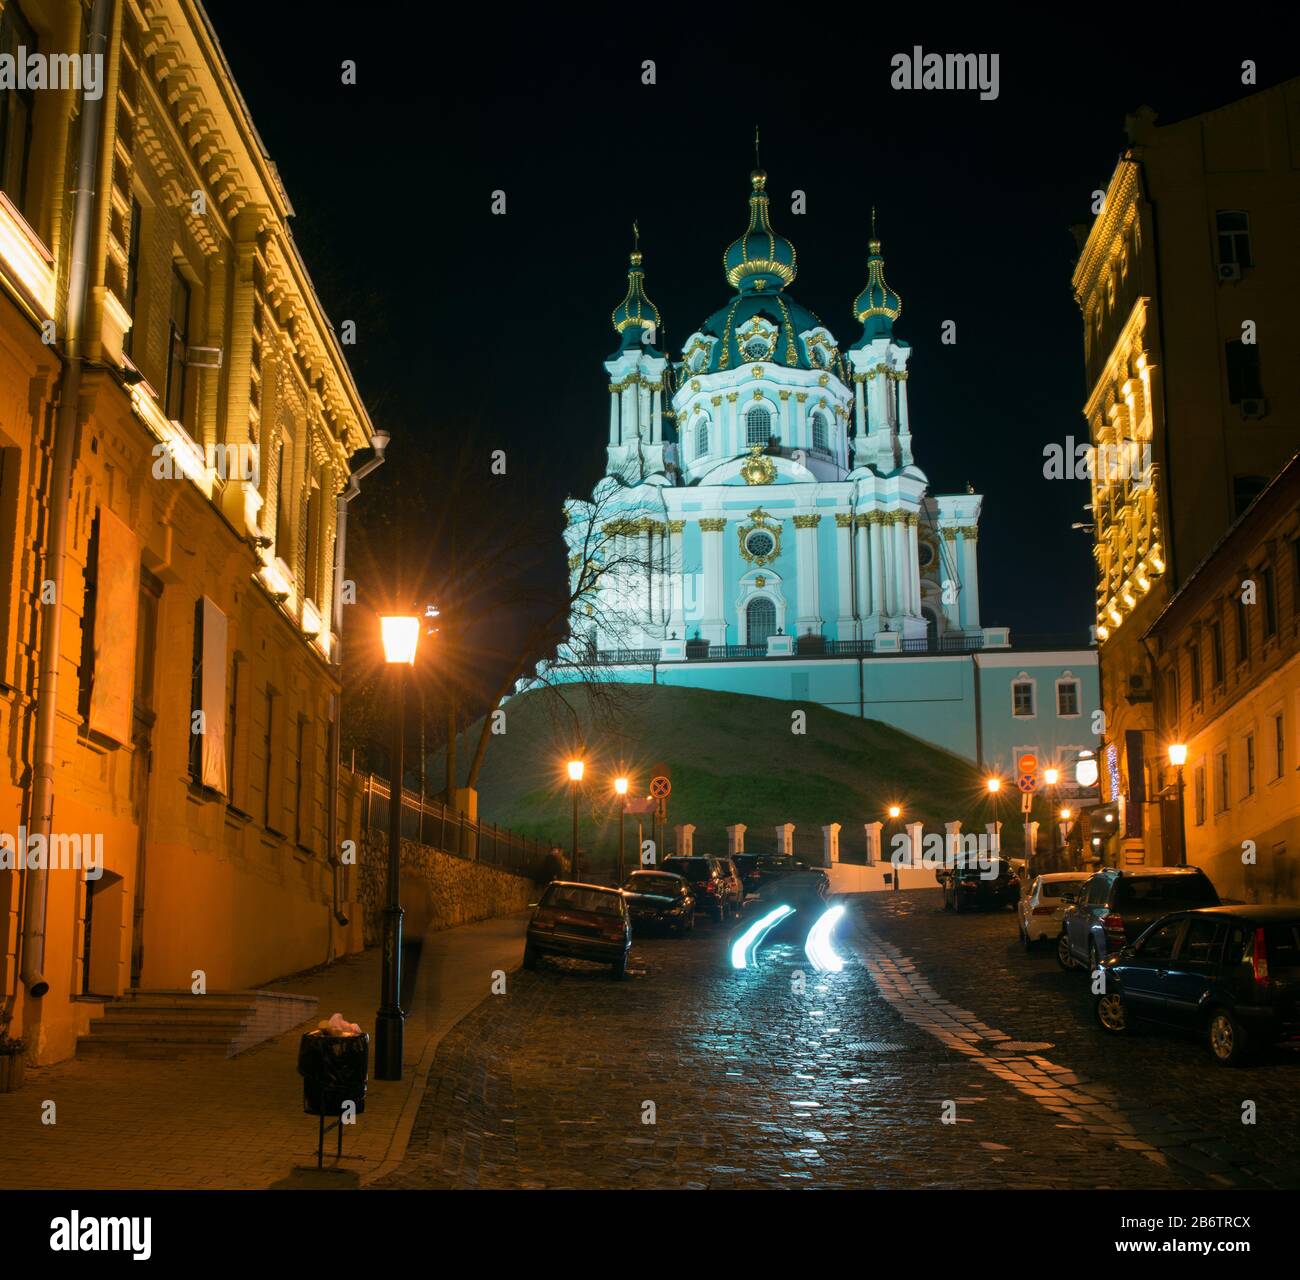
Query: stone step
[(178, 1024)]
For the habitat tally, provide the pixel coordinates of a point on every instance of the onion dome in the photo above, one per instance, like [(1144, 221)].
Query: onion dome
[(877, 306), (636, 313), (760, 260)]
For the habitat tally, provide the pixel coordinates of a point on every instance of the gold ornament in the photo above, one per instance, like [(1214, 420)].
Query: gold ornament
[(757, 469)]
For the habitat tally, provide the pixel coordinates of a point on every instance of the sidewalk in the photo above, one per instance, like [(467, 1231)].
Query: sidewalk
[(238, 1122)]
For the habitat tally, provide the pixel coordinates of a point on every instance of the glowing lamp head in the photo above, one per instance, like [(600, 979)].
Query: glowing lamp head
[(575, 770), (1085, 771), (1051, 776), (620, 785), (994, 785), (895, 811), (400, 635), (1065, 815), (1178, 754)]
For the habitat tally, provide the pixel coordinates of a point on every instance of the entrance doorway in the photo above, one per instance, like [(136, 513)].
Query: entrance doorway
[(760, 620)]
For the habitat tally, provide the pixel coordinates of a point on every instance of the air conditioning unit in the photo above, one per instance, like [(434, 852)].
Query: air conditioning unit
[(1229, 271), (1254, 408)]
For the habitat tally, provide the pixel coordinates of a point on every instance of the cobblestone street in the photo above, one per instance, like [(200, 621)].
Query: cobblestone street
[(750, 1081)]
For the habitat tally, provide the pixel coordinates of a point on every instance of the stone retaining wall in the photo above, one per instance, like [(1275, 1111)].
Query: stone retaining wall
[(439, 890)]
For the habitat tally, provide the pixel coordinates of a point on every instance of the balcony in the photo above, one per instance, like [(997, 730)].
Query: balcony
[(27, 265)]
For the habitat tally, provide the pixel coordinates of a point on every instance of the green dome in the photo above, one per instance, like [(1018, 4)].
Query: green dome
[(761, 260), (636, 312), (877, 306)]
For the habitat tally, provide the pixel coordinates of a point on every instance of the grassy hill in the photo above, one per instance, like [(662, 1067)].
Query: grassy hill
[(731, 758)]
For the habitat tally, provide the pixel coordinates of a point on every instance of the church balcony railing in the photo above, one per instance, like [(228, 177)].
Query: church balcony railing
[(622, 657), (725, 652)]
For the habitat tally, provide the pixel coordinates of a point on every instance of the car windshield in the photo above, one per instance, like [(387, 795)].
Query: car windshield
[(1139, 891), (652, 884), (569, 897), (1058, 888), (691, 868)]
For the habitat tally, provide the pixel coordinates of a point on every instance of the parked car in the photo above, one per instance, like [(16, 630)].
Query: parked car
[(584, 921), (1043, 907), (1118, 905), (751, 878), (965, 888), (659, 900), (735, 883), (713, 888), (1229, 974)]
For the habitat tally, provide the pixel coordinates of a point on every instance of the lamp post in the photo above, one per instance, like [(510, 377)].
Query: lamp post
[(1178, 758), (994, 785), (895, 812), (575, 777), (400, 637), (1051, 776), (620, 786)]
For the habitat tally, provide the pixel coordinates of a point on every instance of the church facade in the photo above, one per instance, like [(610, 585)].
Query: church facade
[(762, 520)]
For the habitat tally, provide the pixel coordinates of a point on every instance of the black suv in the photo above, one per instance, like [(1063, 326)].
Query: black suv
[(973, 886), (1230, 974), (713, 884), (1117, 906)]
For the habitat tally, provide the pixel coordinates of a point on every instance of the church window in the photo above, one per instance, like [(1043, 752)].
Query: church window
[(925, 554), (758, 426), (701, 437), (760, 544), (819, 433), (756, 348), (760, 620)]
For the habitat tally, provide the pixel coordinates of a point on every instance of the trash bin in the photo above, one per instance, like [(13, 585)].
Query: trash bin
[(334, 1070)]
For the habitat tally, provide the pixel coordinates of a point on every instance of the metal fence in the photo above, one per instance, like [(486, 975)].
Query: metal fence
[(431, 823)]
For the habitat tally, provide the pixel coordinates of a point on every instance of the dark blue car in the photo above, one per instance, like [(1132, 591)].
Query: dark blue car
[(1228, 974)]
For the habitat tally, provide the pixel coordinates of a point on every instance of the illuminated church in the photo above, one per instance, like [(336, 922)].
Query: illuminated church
[(763, 528), (760, 489)]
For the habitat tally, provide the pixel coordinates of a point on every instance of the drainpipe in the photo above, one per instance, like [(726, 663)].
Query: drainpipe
[(41, 815), (379, 443)]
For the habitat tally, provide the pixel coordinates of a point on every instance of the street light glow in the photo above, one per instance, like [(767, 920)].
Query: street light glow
[(400, 635), (620, 785), (895, 811), (575, 770), (1051, 776), (1178, 754), (1065, 815), (994, 785)]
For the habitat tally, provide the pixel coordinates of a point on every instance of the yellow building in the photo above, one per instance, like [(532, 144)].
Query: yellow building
[(177, 417), (1186, 282), (1228, 658)]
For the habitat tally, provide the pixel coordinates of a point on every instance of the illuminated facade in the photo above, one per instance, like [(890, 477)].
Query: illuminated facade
[(205, 444), (1186, 284)]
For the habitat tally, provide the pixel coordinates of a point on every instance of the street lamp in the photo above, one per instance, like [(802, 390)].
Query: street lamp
[(400, 636), (994, 785), (1178, 758), (895, 812), (620, 786), (575, 776)]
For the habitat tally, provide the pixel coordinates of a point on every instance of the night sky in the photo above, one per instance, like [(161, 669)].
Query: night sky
[(493, 329)]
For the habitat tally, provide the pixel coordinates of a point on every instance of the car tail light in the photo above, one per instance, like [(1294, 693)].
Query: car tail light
[(1113, 923), (544, 920), (1259, 958)]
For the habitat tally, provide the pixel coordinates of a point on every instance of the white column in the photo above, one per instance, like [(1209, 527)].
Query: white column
[(950, 571), (1031, 839), (627, 414), (914, 830), (844, 628), (913, 566), (951, 842), (873, 841), (785, 840), (613, 417), (785, 419), (656, 417), (805, 541), (800, 440), (904, 423), (877, 532), (736, 838), (860, 420), (890, 540), (714, 624), (685, 832), (866, 597), (676, 586), (830, 844), (643, 411), (970, 578)]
